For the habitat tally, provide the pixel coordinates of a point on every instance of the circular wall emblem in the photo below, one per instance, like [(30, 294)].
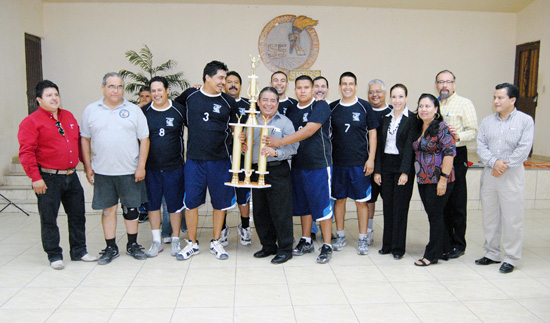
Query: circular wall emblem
[(124, 113), (289, 42)]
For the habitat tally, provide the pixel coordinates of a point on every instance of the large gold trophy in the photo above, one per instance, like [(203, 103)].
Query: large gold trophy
[(251, 123)]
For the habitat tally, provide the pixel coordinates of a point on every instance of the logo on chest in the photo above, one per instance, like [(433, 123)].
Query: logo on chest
[(216, 108), (355, 116), (242, 111), (284, 110), (124, 113), (304, 117), (169, 122)]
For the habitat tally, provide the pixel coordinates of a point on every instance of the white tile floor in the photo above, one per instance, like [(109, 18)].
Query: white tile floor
[(351, 288)]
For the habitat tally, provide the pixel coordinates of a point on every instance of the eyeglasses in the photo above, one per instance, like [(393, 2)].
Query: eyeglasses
[(112, 87), (377, 92), (60, 128), (445, 82)]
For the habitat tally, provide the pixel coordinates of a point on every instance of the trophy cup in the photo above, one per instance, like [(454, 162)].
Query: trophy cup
[(251, 123)]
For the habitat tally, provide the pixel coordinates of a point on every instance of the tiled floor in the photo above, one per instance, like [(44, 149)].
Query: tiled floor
[(350, 288)]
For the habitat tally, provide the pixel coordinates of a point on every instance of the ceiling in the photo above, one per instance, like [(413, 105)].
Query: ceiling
[(510, 6)]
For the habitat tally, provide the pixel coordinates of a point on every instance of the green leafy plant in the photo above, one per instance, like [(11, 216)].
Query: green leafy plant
[(144, 60)]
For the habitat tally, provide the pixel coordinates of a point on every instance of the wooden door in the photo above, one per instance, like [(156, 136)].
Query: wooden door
[(33, 58), (526, 76)]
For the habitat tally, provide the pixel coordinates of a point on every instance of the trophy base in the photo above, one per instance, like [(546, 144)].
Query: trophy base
[(251, 185)]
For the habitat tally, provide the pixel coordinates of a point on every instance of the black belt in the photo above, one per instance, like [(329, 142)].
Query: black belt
[(271, 164), (57, 171)]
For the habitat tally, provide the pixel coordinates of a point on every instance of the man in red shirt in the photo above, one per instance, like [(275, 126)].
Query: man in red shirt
[(49, 151)]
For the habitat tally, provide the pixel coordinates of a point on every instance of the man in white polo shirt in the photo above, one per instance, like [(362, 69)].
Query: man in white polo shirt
[(117, 131)]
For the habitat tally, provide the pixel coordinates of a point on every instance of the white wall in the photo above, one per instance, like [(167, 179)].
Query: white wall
[(534, 24), (16, 19), (83, 41)]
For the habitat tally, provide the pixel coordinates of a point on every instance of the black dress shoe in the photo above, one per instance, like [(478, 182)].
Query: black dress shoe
[(445, 256), (506, 268), (280, 259), (397, 257), (455, 253), (486, 261), (383, 252), (263, 253)]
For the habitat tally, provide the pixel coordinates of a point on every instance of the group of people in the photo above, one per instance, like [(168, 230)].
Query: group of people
[(319, 153)]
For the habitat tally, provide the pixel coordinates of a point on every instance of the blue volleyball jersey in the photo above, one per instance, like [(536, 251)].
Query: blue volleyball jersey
[(166, 151), (244, 105), (207, 119), (314, 152), (286, 104), (350, 125)]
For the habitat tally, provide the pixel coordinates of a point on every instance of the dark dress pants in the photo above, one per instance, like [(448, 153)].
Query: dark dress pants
[(456, 207), (66, 190), (272, 209), (396, 205), (434, 205)]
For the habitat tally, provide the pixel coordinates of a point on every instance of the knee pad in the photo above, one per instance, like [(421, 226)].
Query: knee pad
[(131, 214)]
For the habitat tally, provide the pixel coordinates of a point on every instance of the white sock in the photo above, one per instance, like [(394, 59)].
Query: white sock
[(369, 230), (341, 233), (327, 244), (308, 240), (156, 235), (175, 239), (370, 223), (362, 236)]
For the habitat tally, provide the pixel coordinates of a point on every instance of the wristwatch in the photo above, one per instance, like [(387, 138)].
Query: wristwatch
[(445, 175), (276, 153)]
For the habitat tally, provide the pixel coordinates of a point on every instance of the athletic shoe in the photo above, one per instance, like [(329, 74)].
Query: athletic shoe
[(189, 250), (340, 243), (156, 247), (143, 217), (217, 249), (175, 248), (246, 235), (370, 237), (363, 248), (167, 240), (302, 247), (57, 265), (325, 255), (224, 236), (136, 251), (88, 258), (107, 255)]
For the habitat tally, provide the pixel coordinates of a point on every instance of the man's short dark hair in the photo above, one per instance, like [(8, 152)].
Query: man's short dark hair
[(42, 85), (160, 79), (278, 72), (511, 89), (269, 89), (145, 88), (303, 78), (445, 71), (347, 74), (212, 69), (320, 78), (235, 74)]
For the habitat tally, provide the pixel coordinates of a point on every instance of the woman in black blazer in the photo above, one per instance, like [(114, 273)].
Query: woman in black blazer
[(394, 171)]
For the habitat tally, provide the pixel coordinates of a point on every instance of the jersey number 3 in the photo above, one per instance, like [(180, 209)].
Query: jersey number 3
[(206, 116)]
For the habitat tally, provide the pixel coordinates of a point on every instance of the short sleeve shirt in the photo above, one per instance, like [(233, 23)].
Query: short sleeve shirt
[(115, 135), (208, 117), (429, 155), (350, 125), (314, 152), (243, 105), (285, 104), (166, 151)]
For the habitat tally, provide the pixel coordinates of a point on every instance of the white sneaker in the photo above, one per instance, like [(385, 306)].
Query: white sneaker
[(370, 237), (246, 235), (166, 240), (88, 258), (224, 237), (340, 243), (58, 264), (156, 247), (363, 247), (217, 249), (189, 250), (175, 248)]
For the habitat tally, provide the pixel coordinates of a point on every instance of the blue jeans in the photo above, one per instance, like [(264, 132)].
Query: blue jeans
[(166, 228), (66, 190)]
